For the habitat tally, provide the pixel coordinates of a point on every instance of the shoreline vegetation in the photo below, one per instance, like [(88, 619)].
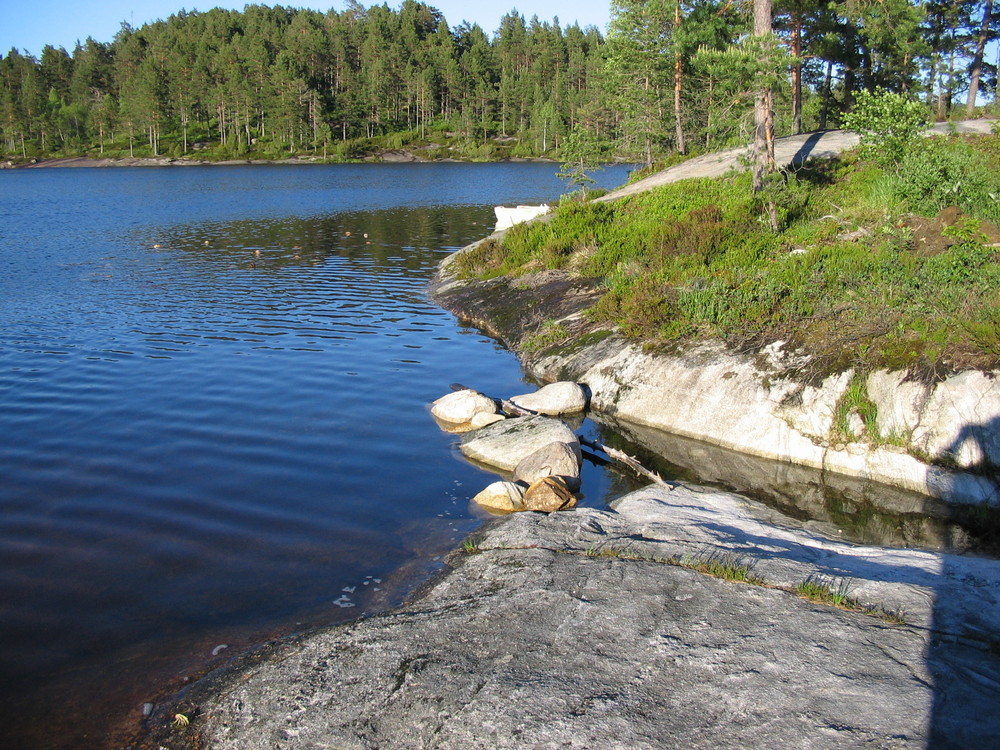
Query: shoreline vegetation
[(392, 156), (874, 266)]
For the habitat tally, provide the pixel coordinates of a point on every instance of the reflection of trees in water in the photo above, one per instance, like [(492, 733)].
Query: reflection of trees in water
[(409, 238)]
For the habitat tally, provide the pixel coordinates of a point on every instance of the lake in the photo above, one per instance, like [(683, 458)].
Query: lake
[(214, 391)]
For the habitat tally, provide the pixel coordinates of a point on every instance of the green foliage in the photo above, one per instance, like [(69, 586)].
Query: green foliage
[(484, 259), (581, 152), (843, 281), (888, 124), (854, 401), (826, 591), (549, 334), (272, 81), (939, 172)]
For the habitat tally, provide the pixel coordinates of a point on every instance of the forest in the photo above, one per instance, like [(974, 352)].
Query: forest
[(667, 77)]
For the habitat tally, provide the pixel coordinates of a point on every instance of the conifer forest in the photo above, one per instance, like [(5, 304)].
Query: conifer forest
[(667, 76)]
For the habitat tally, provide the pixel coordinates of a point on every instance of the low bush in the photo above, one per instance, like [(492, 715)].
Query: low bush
[(939, 172)]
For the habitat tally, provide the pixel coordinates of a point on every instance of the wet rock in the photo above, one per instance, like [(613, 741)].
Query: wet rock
[(506, 497), (552, 460), (462, 406), (505, 444), (554, 399), (548, 495)]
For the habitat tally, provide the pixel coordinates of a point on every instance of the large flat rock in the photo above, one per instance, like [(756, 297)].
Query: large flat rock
[(529, 643)]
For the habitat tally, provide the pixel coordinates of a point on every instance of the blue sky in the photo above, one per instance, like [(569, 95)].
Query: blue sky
[(31, 25)]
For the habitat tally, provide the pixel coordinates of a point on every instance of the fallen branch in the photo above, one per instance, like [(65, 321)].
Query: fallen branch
[(628, 460)]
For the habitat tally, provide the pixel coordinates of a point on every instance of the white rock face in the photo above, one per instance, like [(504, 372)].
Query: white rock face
[(462, 406), (553, 460), (554, 399), (505, 444), (900, 402), (961, 420), (505, 497), (747, 404), (810, 411)]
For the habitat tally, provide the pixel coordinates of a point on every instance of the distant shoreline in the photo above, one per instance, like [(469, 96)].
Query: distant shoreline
[(385, 157)]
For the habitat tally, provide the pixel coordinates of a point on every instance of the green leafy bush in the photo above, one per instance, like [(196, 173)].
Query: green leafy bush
[(887, 123)]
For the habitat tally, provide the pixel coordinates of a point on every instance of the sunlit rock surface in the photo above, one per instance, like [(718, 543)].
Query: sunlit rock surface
[(568, 630)]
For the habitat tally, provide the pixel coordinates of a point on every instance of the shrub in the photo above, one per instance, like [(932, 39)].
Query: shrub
[(943, 172), (887, 123)]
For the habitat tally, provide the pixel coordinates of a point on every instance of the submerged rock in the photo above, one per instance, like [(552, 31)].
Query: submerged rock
[(554, 399), (552, 460), (505, 444), (482, 419), (462, 406)]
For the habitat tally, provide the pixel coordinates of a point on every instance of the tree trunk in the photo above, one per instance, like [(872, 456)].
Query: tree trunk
[(827, 93), (678, 84), (796, 74), (763, 137), (977, 60)]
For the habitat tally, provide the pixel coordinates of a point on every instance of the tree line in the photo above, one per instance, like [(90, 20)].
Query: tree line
[(669, 75)]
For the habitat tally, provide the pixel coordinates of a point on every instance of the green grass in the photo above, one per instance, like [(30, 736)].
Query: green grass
[(844, 279), (549, 334), (820, 590), (470, 546), (855, 401), (833, 593)]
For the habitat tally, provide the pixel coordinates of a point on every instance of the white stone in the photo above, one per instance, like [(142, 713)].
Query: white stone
[(554, 399), (961, 419), (751, 405), (899, 402), (462, 406), (482, 419)]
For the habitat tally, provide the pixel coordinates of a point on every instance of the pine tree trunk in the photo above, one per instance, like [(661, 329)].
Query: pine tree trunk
[(827, 93), (678, 81), (797, 74), (976, 71), (763, 140)]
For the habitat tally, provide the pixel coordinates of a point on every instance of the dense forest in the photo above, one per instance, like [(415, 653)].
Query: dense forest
[(668, 76)]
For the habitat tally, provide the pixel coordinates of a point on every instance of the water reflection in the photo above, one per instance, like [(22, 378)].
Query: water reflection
[(839, 506)]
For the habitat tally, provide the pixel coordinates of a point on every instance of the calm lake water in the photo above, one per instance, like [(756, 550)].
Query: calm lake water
[(214, 386), (214, 427)]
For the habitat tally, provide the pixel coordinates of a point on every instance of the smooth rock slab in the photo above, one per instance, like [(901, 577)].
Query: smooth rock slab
[(533, 648), (554, 399), (505, 444)]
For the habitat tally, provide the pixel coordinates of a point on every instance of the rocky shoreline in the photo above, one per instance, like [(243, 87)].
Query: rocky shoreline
[(681, 616), (600, 628)]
